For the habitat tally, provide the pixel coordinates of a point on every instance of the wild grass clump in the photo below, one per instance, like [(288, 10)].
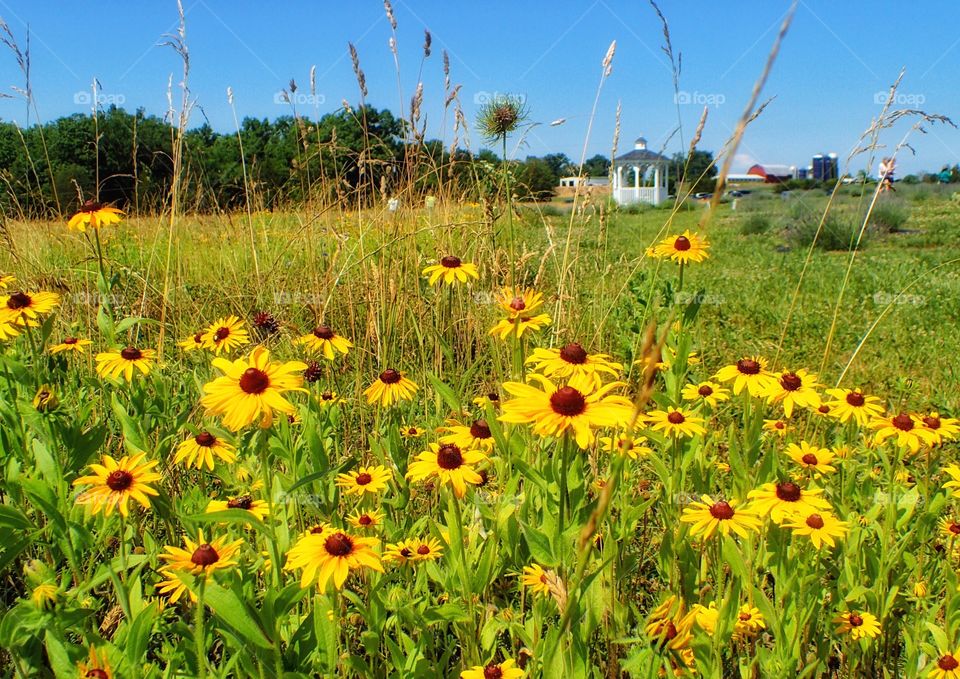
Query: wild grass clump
[(755, 223), (889, 217)]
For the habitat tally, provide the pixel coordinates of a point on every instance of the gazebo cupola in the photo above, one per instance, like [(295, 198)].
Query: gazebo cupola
[(649, 170)]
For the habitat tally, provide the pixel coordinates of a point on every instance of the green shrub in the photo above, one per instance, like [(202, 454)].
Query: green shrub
[(754, 223), (889, 217), (839, 231)]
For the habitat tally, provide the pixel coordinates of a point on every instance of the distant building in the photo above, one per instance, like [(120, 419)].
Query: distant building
[(825, 167), (584, 181), (734, 178), (649, 171), (773, 174)]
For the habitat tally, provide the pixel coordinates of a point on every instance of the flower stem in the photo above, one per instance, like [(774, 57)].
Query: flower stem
[(199, 647)]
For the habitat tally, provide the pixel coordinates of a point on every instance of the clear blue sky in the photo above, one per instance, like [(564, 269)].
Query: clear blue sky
[(836, 59)]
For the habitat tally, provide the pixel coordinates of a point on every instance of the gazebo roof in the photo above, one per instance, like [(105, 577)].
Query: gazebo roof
[(640, 155)]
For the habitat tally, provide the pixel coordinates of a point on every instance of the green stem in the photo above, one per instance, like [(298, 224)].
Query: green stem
[(199, 647)]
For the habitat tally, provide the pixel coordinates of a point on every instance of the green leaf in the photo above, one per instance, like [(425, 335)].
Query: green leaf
[(241, 516), (540, 548), (446, 393), (233, 613)]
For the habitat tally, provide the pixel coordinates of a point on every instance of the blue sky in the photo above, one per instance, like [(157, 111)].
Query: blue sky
[(836, 59)]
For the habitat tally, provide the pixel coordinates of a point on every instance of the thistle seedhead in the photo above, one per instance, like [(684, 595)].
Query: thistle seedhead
[(501, 116)]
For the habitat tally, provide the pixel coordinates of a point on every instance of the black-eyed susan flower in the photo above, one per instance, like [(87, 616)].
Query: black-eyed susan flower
[(451, 270), (749, 372), (943, 428), (96, 666), (573, 360), (258, 508), (252, 388), (949, 528), (322, 340), (520, 325), (708, 392), (113, 364), (675, 422), (412, 432), (45, 400), (192, 343), (709, 517), (71, 344), (328, 398), (45, 594), (777, 427), (372, 480), (632, 445), (783, 501), (519, 302), (203, 449), (366, 519), (26, 308), (398, 552), (94, 215), (907, 429), (579, 407), (685, 248), (475, 435), (113, 483), (425, 549), (452, 465), (330, 555), (503, 670), (670, 625), (793, 389), (706, 617), (823, 528), (537, 579), (812, 457), (391, 386), (854, 404), (6, 281), (947, 665), (953, 471), (491, 398), (202, 557), (857, 624), (226, 334), (8, 330), (749, 623)]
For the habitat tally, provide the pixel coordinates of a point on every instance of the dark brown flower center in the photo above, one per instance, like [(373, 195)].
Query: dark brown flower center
[(676, 417), (788, 491), (815, 521), (254, 381), (790, 381), (406, 553), (493, 397), (365, 520), (823, 409), (221, 334), (574, 353), (390, 376), (119, 480), (327, 396), (855, 620), (449, 456), (744, 617), (91, 206), (809, 458), (204, 555), (312, 372), (568, 401), (198, 338), (423, 550), (480, 429), (323, 332), (97, 673), (70, 340), (492, 672), (131, 354), (705, 390), (363, 478), (450, 262), (855, 399), (722, 511), (932, 422), (748, 366), (947, 663), (903, 422), (317, 530), (779, 425), (682, 243), (245, 502), (517, 304), (19, 300), (338, 544), (205, 439)]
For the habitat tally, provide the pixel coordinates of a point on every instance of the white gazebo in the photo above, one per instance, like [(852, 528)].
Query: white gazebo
[(647, 166)]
